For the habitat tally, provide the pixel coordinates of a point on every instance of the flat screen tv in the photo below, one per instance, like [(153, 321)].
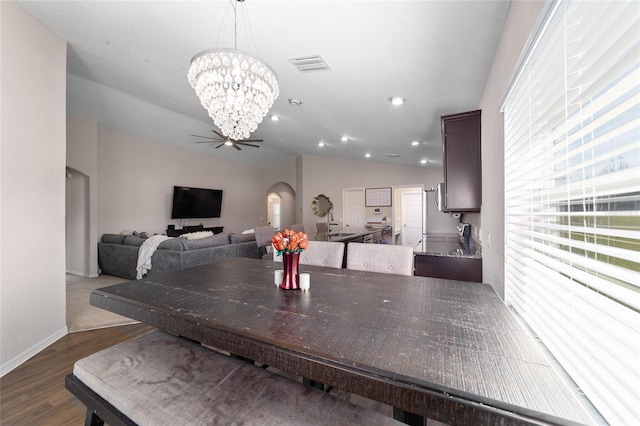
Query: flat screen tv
[(195, 203)]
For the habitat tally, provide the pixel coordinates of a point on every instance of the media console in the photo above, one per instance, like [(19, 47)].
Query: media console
[(177, 232)]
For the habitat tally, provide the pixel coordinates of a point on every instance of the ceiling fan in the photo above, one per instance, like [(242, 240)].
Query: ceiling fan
[(224, 140)]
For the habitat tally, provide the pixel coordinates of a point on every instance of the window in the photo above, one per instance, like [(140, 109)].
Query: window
[(572, 198)]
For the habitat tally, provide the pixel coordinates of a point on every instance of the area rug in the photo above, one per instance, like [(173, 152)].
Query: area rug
[(81, 316)]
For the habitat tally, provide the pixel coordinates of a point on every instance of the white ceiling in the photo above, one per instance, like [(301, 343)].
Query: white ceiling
[(436, 54)]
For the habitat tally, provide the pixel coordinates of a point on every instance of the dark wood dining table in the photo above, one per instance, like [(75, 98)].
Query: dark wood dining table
[(447, 350)]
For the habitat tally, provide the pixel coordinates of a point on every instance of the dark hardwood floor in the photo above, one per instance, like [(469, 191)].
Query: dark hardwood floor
[(34, 393)]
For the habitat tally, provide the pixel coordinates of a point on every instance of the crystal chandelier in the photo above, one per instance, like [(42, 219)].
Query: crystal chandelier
[(236, 88)]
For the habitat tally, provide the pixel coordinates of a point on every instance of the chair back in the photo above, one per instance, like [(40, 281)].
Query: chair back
[(320, 253), (298, 227), (323, 253), (263, 238), (383, 258)]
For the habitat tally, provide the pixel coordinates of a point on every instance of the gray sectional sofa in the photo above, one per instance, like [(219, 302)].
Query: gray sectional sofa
[(118, 254)]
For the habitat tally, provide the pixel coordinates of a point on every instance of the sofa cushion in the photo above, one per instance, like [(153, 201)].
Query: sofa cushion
[(241, 238), (113, 238), (132, 240), (177, 244), (214, 240)]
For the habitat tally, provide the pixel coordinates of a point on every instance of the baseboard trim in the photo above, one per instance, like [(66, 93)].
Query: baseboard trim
[(10, 365), (82, 274)]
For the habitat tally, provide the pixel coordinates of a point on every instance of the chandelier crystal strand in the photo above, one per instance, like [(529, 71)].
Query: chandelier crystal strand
[(236, 88)]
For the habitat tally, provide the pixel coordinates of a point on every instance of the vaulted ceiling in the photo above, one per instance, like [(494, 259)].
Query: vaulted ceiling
[(435, 54)]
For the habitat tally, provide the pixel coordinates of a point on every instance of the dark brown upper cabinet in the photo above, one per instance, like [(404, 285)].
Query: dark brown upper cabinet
[(462, 165)]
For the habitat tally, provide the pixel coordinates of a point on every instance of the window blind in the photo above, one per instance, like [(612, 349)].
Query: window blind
[(572, 198)]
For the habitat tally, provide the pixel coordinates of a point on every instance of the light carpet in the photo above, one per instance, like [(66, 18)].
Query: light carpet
[(81, 316)]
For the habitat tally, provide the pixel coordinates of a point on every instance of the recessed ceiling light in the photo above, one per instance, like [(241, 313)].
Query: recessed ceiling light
[(320, 144), (344, 138), (397, 100), (415, 143), (274, 117), (423, 161), (295, 102), (367, 155)]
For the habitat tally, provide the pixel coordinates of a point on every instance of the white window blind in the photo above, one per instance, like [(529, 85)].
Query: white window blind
[(572, 198)]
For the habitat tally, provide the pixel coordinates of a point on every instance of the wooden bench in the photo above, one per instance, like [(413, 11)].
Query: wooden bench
[(161, 379)]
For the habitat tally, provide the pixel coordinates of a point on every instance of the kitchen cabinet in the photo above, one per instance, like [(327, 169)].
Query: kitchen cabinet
[(462, 165), (450, 268)]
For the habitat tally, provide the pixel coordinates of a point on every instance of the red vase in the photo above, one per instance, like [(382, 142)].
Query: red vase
[(290, 277)]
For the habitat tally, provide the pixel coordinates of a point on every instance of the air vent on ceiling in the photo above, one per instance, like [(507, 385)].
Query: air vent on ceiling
[(392, 155), (310, 63)]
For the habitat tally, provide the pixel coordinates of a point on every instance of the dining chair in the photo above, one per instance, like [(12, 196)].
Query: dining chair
[(383, 258), (298, 227), (263, 240), (320, 253)]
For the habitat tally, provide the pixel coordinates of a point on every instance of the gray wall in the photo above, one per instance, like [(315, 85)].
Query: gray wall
[(321, 175), (32, 186), (517, 27), (136, 179)]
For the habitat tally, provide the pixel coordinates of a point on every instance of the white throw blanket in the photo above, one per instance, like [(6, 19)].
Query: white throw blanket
[(145, 252)]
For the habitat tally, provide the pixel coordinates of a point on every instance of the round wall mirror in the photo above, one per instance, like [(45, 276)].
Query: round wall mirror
[(321, 205)]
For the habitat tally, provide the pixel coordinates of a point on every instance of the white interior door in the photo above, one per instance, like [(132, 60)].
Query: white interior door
[(411, 218), (273, 210), (353, 201)]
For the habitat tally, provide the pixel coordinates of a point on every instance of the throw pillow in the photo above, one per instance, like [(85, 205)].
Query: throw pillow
[(177, 244), (132, 240), (197, 235), (112, 238)]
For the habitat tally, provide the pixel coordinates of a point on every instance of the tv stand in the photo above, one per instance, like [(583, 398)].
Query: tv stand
[(197, 228)]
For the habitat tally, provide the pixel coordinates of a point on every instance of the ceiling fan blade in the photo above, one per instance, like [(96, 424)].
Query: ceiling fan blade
[(219, 145), (248, 144), (252, 140), (237, 147), (206, 137), (218, 133), (205, 141)]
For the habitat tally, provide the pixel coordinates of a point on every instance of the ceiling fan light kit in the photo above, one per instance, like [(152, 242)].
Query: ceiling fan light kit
[(227, 141), (236, 88), (397, 100)]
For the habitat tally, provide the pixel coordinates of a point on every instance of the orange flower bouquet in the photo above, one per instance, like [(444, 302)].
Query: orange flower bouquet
[(290, 244), (289, 241)]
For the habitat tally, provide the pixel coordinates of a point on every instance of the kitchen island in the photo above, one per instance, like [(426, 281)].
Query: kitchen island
[(350, 235), (449, 256)]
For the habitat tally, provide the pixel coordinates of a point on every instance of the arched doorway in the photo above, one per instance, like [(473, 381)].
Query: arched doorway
[(281, 205), (77, 223)]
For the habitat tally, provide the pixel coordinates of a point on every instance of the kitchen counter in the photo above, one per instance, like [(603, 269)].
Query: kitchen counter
[(450, 257), (449, 245), (346, 234)]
